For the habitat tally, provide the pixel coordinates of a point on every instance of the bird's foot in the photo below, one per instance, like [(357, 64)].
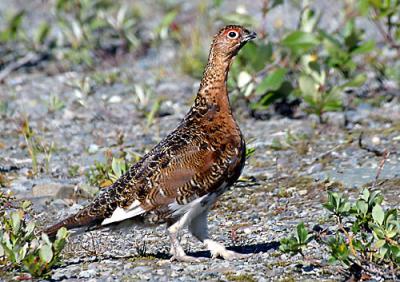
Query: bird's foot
[(186, 258), (228, 255), (178, 254), (218, 250)]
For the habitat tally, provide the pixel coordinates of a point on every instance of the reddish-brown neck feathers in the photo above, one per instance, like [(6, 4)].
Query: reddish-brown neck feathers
[(227, 42)]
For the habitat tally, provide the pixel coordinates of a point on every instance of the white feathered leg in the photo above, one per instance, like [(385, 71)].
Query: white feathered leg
[(177, 251), (199, 229)]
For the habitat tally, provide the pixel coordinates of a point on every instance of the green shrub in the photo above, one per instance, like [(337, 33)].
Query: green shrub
[(364, 232), (104, 174), (25, 251)]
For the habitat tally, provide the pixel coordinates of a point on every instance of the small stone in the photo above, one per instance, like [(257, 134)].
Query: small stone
[(127, 265), (53, 190), (93, 148), (87, 273), (314, 168), (303, 192), (115, 99), (59, 204), (376, 140), (247, 230)]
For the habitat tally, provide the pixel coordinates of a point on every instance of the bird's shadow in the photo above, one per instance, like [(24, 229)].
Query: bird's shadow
[(245, 249)]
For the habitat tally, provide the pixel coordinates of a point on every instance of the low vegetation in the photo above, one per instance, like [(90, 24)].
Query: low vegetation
[(311, 64), (22, 247), (364, 234), (312, 68)]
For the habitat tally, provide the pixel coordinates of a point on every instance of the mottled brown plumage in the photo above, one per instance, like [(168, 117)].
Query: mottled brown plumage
[(181, 177)]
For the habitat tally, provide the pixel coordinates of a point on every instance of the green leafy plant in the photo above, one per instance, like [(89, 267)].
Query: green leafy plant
[(31, 144), (250, 151), (104, 174), (36, 146), (84, 27), (26, 251), (342, 49), (146, 103), (13, 27), (55, 104), (385, 16), (338, 205), (297, 243), (317, 91), (312, 64), (365, 233)]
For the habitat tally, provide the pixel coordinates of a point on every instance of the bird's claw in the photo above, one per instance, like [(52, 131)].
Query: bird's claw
[(186, 258), (229, 255)]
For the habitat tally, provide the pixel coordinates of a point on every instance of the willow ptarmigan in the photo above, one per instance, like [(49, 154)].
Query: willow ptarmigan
[(182, 177)]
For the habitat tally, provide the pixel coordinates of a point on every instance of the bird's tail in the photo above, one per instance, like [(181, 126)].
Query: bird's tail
[(80, 219)]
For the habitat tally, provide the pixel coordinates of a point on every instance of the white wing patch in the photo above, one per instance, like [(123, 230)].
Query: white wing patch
[(121, 214)]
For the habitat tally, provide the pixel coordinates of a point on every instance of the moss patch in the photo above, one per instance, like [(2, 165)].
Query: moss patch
[(240, 278), (142, 258)]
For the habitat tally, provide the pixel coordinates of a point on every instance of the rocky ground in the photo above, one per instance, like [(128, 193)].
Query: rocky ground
[(285, 181)]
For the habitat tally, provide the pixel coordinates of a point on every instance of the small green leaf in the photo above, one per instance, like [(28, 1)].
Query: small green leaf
[(378, 214), (6, 241), (168, 19), (300, 41), (362, 207), (59, 243), (375, 198), (364, 48), (358, 81), (62, 233), (379, 243), (301, 233), (378, 232), (383, 250), (308, 86), (365, 194), (116, 166), (16, 222), (272, 82), (46, 239), (26, 205), (42, 33), (345, 207), (363, 7), (46, 253), (23, 251), (391, 234), (15, 23), (29, 229)]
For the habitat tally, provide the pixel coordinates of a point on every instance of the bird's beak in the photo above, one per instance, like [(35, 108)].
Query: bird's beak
[(249, 36)]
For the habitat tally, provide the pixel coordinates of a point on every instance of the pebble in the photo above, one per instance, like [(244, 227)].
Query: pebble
[(87, 273), (93, 148), (53, 190), (265, 217), (315, 168), (302, 192), (115, 99), (376, 140)]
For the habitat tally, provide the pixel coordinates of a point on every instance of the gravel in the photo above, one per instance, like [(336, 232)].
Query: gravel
[(280, 186)]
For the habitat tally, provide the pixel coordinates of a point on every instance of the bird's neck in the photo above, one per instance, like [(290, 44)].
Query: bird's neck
[(213, 89)]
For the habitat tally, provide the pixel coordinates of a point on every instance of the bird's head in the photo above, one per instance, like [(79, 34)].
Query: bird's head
[(230, 39)]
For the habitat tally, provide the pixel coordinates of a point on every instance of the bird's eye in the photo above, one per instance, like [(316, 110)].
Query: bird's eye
[(233, 35)]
